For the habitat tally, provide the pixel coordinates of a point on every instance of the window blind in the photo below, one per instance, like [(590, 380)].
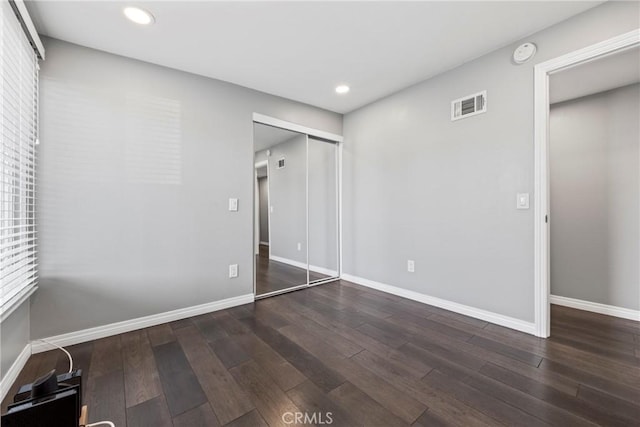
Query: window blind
[(18, 136)]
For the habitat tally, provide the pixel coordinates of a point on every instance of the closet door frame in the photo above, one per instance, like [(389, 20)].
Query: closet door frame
[(323, 136)]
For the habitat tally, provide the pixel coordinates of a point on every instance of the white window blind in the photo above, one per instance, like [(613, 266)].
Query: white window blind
[(18, 135)]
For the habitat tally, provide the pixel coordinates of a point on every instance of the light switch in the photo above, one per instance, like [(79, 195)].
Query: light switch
[(271, 209), (522, 201), (233, 270), (411, 266), (299, 246), (233, 205)]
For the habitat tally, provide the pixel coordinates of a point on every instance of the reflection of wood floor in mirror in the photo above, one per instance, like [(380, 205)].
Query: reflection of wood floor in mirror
[(275, 276)]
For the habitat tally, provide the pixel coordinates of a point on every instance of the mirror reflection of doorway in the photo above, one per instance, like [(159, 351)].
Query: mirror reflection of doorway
[(296, 210)]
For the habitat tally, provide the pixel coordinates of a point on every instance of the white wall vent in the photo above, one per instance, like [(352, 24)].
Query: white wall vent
[(469, 105), (281, 163)]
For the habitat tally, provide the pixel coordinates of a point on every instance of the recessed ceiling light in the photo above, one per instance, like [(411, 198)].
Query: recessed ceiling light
[(139, 16), (342, 89)]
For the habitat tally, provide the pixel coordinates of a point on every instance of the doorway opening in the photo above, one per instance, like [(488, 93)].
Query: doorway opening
[(587, 183)]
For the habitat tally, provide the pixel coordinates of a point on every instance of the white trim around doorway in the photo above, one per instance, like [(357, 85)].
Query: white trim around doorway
[(542, 217)]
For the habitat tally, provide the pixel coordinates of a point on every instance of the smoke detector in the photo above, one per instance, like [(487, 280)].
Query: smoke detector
[(524, 52)]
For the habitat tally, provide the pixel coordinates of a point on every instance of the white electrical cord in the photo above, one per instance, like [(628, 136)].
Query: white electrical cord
[(66, 352), (101, 423)]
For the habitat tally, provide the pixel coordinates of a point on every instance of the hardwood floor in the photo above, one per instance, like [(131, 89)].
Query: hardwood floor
[(358, 357), (276, 276)]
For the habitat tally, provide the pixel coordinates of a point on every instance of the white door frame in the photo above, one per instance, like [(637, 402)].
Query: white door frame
[(542, 217), (283, 124)]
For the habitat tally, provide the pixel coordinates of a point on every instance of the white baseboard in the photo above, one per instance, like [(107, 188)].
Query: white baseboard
[(595, 307), (12, 373), (98, 332), (325, 271), (302, 265), (288, 261), (488, 316), (264, 243)]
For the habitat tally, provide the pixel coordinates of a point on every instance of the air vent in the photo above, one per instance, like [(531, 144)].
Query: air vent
[(281, 163), (469, 106)]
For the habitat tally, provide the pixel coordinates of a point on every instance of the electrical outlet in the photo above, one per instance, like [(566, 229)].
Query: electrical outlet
[(233, 270), (233, 205), (411, 266)]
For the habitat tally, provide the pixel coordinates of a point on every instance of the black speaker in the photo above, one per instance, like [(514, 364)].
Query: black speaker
[(50, 401), (59, 409), (64, 380)]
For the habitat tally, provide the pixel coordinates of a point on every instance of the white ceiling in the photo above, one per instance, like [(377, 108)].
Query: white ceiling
[(610, 72), (302, 50)]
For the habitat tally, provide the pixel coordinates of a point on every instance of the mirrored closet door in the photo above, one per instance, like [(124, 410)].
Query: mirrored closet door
[(296, 238), (323, 210)]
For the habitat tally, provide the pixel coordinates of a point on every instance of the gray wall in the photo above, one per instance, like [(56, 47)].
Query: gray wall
[(287, 190), (419, 186), (595, 206), (260, 156), (263, 191), (136, 165), (14, 336)]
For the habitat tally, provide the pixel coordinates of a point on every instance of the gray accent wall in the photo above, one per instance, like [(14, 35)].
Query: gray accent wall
[(419, 186), (136, 166), (595, 198), (14, 336)]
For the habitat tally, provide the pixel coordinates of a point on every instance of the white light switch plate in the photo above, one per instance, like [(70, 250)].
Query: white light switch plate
[(522, 201), (233, 205), (411, 266), (233, 270)]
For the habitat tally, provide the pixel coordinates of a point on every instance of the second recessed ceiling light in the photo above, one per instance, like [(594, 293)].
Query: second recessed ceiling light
[(139, 16)]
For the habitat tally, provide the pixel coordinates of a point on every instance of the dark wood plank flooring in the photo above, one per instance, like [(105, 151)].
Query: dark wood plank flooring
[(274, 276), (365, 357)]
